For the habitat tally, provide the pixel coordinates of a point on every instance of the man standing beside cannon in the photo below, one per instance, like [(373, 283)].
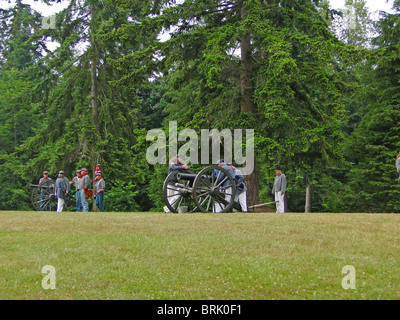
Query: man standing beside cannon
[(45, 180), (240, 192), (227, 190), (61, 190), (175, 164)]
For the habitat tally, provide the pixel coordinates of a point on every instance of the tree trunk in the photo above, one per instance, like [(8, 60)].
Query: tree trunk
[(246, 105), (308, 199), (93, 76), (251, 182), (246, 86), (95, 100), (95, 209), (94, 92)]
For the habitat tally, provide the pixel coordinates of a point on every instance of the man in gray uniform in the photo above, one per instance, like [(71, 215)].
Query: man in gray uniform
[(45, 180), (279, 189), (85, 186), (61, 190), (78, 185), (99, 187)]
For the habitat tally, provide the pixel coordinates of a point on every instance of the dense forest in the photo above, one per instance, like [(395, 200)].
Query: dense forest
[(318, 86)]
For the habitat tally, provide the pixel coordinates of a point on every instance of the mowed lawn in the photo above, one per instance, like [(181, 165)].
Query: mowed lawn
[(259, 256)]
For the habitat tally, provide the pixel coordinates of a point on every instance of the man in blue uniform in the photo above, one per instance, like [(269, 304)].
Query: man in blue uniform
[(225, 188), (240, 192), (175, 163)]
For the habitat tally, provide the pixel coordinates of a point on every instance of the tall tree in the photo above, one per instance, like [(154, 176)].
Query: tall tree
[(19, 50), (374, 145)]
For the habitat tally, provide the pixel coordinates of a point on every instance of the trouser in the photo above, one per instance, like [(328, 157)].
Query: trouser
[(280, 205), (85, 205), (242, 199), (100, 201), (78, 201), (218, 206), (60, 205)]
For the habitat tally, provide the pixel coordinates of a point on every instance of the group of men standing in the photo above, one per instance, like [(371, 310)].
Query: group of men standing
[(82, 182)]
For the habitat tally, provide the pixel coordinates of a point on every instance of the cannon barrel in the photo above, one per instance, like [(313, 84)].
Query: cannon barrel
[(41, 186), (186, 176), (191, 176)]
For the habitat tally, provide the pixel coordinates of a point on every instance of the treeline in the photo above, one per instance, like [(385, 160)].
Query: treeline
[(320, 88)]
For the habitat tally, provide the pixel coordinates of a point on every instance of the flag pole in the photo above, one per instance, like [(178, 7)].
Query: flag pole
[(95, 209)]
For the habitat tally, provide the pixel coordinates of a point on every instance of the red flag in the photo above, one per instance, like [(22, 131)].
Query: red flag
[(98, 166)]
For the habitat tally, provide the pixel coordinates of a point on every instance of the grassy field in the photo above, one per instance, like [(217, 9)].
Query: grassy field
[(259, 256)]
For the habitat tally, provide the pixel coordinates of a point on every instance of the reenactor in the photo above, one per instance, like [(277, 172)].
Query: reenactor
[(240, 193), (61, 190), (175, 163), (77, 180), (85, 189), (99, 186)]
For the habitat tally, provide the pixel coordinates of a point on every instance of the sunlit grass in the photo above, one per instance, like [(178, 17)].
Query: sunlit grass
[(199, 256)]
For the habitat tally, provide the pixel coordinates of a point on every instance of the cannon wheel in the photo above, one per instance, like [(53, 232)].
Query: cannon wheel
[(42, 198), (209, 194), (173, 197)]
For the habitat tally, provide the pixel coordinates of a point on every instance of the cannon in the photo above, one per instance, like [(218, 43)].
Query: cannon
[(211, 190), (43, 197)]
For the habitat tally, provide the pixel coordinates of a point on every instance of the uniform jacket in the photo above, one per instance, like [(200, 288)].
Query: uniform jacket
[(61, 187), (99, 185), (86, 182), (239, 181), (222, 175), (279, 183)]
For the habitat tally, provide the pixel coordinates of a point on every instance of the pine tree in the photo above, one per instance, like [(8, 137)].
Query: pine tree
[(374, 145), (18, 120)]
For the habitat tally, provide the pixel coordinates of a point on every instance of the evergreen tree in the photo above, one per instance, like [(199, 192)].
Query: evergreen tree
[(19, 50), (374, 145)]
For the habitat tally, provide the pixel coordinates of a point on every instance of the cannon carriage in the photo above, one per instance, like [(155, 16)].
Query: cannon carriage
[(43, 197), (211, 190)]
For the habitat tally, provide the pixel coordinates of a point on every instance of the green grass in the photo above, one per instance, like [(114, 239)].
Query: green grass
[(199, 256)]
